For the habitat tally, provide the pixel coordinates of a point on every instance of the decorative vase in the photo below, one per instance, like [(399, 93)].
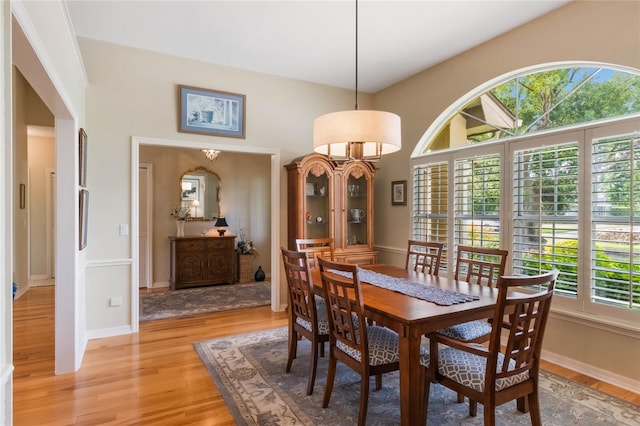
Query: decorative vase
[(180, 228), (259, 275)]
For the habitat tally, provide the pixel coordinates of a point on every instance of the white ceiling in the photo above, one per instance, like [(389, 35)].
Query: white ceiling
[(308, 40)]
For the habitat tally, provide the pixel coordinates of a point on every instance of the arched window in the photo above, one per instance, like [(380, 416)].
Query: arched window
[(546, 165), (538, 101)]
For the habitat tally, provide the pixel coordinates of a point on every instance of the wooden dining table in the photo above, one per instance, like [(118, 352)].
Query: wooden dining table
[(411, 318)]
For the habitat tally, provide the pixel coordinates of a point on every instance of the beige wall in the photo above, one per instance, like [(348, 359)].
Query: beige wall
[(42, 157), (20, 176), (600, 31), (244, 199)]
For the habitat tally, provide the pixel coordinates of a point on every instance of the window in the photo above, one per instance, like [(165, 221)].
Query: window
[(554, 197), (477, 201), (539, 101), (430, 204), (545, 210), (615, 213)]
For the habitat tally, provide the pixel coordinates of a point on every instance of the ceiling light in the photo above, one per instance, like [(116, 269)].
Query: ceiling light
[(211, 154), (357, 134)]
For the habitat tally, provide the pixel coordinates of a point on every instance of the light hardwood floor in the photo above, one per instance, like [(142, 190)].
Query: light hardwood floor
[(154, 377)]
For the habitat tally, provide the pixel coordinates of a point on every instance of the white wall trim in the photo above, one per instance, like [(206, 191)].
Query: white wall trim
[(107, 263), (591, 371), (109, 332)]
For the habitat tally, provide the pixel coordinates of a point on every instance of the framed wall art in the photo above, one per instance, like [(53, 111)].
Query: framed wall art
[(82, 146), (210, 112), (84, 217), (399, 193)]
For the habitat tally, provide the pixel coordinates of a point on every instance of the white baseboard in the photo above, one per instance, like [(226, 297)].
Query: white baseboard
[(39, 277), (591, 371), (109, 332), (160, 284)]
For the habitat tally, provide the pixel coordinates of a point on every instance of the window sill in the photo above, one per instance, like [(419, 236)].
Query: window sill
[(614, 325)]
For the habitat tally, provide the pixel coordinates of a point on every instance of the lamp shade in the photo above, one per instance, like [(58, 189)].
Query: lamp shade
[(221, 221), (357, 134)]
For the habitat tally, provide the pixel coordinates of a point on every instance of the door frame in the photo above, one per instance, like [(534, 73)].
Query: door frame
[(277, 303)]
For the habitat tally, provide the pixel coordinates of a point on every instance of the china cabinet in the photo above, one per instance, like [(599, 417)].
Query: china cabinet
[(328, 198), (199, 261)]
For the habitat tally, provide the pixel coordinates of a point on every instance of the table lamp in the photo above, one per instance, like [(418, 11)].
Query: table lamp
[(221, 223)]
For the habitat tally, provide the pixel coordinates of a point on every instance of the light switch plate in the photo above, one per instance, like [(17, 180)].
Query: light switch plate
[(124, 229)]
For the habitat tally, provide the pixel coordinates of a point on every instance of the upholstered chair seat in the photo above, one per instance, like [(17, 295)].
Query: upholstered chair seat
[(383, 346), (470, 370), (468, 331)]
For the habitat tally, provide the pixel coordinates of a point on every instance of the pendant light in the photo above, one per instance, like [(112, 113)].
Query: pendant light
[(357, 134)]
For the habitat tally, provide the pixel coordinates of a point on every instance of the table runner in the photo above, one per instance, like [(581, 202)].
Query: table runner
[(411, 288)]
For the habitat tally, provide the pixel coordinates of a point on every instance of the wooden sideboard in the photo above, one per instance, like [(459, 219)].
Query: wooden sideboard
[(201, 261)]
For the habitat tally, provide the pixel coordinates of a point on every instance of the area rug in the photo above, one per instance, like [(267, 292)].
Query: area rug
[(202, 300), (249, 372)]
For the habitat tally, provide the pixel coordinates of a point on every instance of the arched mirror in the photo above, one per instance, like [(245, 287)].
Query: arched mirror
[(200, 192)]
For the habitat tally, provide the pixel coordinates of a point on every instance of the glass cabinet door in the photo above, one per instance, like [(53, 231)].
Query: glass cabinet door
[(317, 206), (357, 190)]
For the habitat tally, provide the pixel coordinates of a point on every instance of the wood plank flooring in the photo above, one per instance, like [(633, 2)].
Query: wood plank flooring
[(154, 377)]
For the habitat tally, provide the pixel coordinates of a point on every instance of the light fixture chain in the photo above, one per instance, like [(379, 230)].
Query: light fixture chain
[(356, 54)]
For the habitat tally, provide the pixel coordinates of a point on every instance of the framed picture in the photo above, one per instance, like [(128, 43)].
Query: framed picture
[(190, 189), (23, 196), (210, 112), (84, 217), (82, 146), (399, 193)]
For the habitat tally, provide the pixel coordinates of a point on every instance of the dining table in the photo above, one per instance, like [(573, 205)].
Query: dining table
[(412, 317)]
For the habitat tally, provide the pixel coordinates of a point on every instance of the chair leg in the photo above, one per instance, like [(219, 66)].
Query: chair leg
[(293, 346), (313, 365), (378, 381), (473, 408), (364, 400), (522, 404), (489, 414), (322, 349), (460, 398), (534, 408), (331, 375)]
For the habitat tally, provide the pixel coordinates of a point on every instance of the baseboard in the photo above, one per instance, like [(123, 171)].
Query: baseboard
[(39, 277), (160, 284), (591, 371), (109, 332)]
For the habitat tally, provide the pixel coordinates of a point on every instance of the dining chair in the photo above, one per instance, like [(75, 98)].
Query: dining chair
[(370, 350), (315, 247), (307, 313), (424, 256), (478, 265), (493, 375)]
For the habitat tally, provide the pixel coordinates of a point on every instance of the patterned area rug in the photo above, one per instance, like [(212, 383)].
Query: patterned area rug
[(249, 371), (202, 300)]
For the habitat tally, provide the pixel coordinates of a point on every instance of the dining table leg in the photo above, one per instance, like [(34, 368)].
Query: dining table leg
[(411, 378)]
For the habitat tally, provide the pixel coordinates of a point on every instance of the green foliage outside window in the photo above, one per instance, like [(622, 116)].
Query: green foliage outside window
[(612, 276)]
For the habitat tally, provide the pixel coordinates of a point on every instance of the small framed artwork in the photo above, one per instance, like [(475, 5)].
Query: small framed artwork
[(82, 146), (190, 189), (84, 217), (23, 196), (399, 193), (211, 112)]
